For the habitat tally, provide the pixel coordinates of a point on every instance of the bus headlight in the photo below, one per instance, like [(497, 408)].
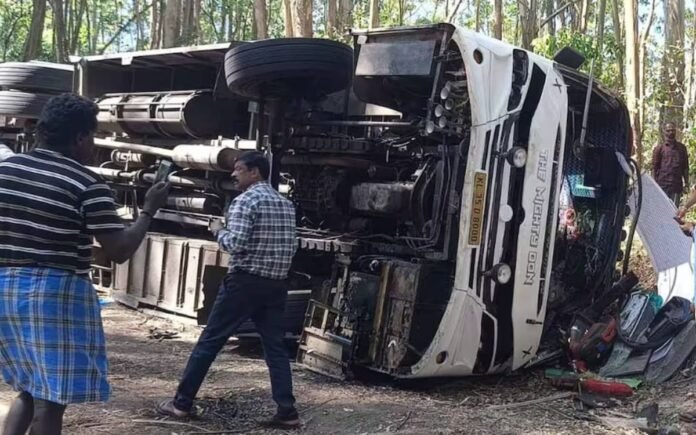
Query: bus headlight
[(517, 157), (501, 273)]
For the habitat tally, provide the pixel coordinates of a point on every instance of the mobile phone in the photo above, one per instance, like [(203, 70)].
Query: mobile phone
[(165, 168)]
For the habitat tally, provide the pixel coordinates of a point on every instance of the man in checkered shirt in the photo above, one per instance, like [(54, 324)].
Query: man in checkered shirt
[(260, 237)]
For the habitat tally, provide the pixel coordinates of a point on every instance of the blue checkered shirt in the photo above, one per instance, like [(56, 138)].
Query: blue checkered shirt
[(260, 232)]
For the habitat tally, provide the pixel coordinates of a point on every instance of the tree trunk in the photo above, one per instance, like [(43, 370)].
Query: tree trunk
[(308, 19), (32, 46), (455, 11), (331, 18), (633, 73), (601, 18), (302, 18), (690, 97), (528, 15), (288, 21), (89, 29), (95, 28), (549, 12), (673, 63), (187, 22), (240, 23), (402, 11), (154, 24), (576, 17), (345, 15), (645, 36), (75, 39), (584, 15), (562, 14), (221, 34), (61, 46), (68, 19), (245, 22), (498, 23), (478, 16), (172, 22), (374, 14), (139, 36), (617, 35), (253, 23), (517, 29), (261, 19), (233, 25), (196, 25)]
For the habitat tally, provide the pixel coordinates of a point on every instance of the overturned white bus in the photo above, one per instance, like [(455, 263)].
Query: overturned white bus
[(457, 197)]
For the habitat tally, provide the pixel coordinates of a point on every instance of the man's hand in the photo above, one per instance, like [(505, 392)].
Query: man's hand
[(687, 228), (156, 197), (681, 212), (216, 225)]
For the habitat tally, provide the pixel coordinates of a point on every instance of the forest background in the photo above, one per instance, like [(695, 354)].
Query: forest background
[(642, 50)]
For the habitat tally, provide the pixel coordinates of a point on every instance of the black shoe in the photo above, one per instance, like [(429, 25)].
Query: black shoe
[(287, 423)]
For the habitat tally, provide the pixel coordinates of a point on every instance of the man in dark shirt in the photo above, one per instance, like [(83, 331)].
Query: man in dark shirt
[(670, 164)]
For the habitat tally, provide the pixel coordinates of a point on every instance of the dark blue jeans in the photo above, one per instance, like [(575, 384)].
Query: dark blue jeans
[(243, 296)]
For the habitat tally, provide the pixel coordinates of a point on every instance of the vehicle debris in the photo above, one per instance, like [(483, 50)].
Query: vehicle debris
[(159, 334)]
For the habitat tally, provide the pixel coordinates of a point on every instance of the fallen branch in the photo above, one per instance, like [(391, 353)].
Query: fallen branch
[(173, 423), (532, 402), (408, 416)]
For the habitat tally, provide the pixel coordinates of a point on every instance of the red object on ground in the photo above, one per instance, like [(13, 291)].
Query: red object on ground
[(609, 388)]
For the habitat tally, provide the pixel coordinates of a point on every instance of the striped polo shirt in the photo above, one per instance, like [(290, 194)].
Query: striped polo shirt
[(50, 207)]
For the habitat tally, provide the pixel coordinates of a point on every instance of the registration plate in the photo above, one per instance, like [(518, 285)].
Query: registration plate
[(477, 205)]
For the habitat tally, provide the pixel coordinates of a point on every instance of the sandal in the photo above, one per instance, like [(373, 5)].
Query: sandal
[(168, 409)]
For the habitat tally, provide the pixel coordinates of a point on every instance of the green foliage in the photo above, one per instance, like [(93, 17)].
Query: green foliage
[(15, 18), (605, 61)]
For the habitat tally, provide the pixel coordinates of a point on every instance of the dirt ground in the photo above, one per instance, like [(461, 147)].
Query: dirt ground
[(145, 370)]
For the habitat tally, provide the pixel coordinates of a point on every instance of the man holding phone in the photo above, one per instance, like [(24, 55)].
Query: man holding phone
[(165, 168), (260, 237)]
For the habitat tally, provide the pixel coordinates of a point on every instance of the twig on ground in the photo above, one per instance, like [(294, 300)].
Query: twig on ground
[(532, 402), (408, 416), (218, 432), (147, 319), (318, 405), (172, 423), (561, 413), (227, 421), (87, 425), (681, 381)]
